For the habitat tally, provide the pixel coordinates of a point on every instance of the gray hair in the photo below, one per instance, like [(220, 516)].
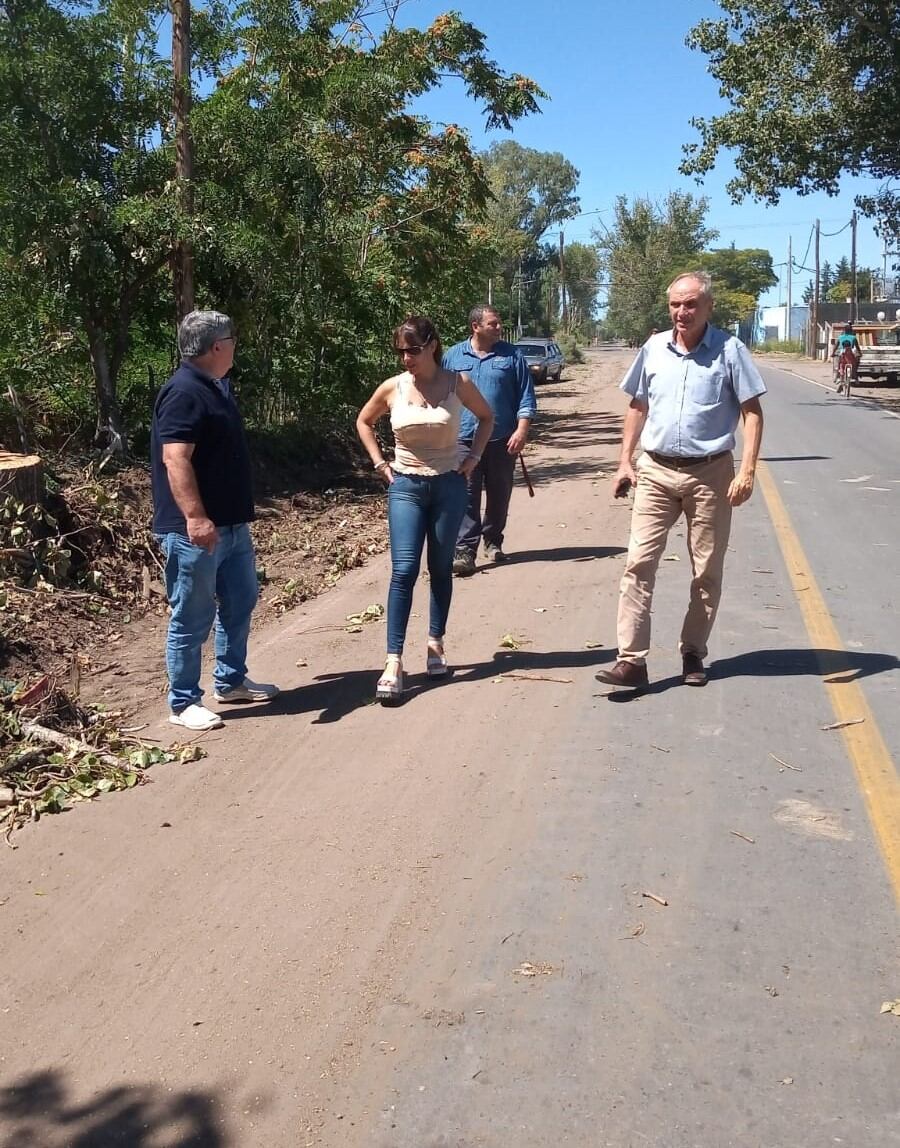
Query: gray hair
[(200, 329), (701, 277), (479, 311)]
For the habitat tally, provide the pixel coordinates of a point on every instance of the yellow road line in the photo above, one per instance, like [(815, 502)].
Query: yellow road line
[(875, 769)]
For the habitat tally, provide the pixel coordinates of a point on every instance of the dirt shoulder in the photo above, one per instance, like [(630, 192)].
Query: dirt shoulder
[(217, 951)]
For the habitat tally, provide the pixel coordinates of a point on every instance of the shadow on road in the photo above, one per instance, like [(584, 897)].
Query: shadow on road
[(337, 695), (837, 665), (559, 554), (36, 1111), (797, 458)]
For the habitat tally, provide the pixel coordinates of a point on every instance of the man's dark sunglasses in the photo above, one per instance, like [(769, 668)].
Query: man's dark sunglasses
[(401, 351)]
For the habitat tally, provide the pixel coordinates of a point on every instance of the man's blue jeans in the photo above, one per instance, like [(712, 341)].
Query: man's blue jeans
[(202, 588), (422, 507)]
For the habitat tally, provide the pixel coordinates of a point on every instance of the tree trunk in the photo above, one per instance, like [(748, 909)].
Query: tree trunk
[(110, 427), (21, 476)]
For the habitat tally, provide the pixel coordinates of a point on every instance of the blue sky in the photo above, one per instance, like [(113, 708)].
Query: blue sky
[(623, 89)]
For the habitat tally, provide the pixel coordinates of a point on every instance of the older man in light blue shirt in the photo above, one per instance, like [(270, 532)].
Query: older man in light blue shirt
[(689, 387)]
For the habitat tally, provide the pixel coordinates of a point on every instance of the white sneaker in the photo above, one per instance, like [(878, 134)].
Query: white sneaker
[(247, 691), (197, 718)]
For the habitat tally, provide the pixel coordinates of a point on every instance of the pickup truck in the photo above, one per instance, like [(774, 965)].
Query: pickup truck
[(880, 351)]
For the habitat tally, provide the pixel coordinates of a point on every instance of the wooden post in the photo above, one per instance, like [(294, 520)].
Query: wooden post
[(815, 299)]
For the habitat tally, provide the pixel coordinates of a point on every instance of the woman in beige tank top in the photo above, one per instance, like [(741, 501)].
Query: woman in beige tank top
[(426, 484)]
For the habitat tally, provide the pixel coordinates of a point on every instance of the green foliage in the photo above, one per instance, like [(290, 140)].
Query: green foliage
[(582, 285), (647, 244), (814, 89), (324, 208), (785, 346), (569, 346), (529, 192), (31, 547), (739, 278)]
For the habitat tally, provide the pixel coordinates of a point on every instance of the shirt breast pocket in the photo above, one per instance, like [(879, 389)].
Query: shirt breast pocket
[(705, 387)]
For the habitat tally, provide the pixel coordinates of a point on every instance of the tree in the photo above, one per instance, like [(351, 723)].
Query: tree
[(323, 206), (86, 212), (814, 88), (740, 275), (842, 290), (582, 285), (530, 191), (647, 244)]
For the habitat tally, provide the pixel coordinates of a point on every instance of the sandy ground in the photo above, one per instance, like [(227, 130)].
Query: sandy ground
[(241, 918)]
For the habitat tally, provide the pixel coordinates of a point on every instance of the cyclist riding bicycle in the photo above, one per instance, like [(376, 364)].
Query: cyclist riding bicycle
[(848, 350)]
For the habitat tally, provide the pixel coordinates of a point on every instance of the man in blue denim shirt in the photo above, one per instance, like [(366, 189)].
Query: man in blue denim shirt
[(689, 387), (202, 504), (502, 376)]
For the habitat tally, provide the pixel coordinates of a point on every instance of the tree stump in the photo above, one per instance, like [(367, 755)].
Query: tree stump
[(22, 477)]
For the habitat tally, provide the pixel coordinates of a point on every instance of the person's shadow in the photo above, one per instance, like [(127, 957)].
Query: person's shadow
[(36, 1110), (339, 694), (837, 665)]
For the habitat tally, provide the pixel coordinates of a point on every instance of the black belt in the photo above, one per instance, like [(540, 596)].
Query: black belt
[(680, 461)]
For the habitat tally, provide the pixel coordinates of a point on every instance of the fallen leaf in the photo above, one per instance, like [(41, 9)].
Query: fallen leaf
[(671, 558), (593, 645), (301, 662), (892, 1007), (527, 969), (771, 990), (511, 642), (786, 1080), (353, 629), (370, 614)]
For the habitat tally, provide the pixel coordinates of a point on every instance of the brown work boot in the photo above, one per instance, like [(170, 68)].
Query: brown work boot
[(626, 675), (692, 670)]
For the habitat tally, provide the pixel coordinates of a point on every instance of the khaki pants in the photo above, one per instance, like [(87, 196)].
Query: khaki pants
[(661, 496)]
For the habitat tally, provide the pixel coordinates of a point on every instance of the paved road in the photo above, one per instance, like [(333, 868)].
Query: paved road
[(429, 927)]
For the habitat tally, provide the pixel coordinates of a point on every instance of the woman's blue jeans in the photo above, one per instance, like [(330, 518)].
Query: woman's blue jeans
[(420, 508), (202, 588)]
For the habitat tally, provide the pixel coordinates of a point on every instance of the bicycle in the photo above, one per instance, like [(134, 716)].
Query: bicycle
[(843, 368)]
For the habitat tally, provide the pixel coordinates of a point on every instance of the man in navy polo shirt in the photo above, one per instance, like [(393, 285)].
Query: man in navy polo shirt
[(502, 376), (202, 504)]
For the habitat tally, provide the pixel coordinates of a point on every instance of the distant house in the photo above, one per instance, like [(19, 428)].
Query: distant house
[(773, 325)]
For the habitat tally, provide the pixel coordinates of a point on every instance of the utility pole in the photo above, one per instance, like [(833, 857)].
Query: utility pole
[(562, 283), (853, 302), (790, 265), (183, 254), (815, 300)]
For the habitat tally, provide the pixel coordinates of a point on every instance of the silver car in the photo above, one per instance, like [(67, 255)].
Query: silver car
[(544, 358)]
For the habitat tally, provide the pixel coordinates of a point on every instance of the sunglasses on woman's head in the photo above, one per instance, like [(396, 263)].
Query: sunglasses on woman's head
[(401, 351)]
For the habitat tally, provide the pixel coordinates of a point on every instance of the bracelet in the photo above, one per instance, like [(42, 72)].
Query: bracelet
[(381, 465)]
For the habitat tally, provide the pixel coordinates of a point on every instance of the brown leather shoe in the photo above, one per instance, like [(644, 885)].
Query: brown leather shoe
[(692, 671), (626, 675)]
